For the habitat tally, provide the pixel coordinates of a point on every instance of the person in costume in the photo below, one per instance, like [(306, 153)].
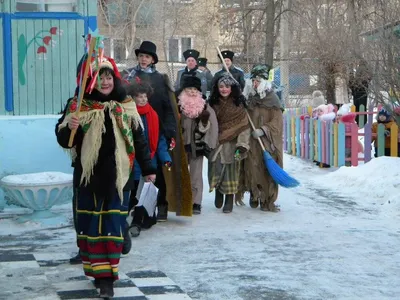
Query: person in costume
[(108, 138), (141, 92), (266, 112), (191, 56), (146, 71), (233, 138), (235, 71), (202, 63), (200, 133)]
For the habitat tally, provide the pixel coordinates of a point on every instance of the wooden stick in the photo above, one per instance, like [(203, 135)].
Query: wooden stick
[(93, 42)]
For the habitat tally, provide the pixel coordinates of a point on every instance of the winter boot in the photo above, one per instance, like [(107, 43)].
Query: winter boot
[(219, 199), (253, 201), (76, 260), (97, 283), (228, 206), (196, 209), (106, 288), (134, 230), (162, 213), (127, 245)]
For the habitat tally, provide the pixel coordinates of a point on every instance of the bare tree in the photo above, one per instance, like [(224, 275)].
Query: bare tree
[(120, 17)]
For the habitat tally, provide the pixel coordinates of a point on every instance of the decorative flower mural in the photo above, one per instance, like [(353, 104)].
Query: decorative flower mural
[(43, 39)]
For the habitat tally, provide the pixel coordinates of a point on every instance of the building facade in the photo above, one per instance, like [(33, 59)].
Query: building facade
[(41, 42)]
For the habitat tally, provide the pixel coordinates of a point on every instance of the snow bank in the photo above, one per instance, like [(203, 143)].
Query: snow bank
[(374, 183), (42, 178)]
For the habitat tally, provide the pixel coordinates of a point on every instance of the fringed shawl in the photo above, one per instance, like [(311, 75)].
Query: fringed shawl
[(124, 117)]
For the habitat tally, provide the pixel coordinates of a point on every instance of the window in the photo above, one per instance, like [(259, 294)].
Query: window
[(46, 5), (178, 45)]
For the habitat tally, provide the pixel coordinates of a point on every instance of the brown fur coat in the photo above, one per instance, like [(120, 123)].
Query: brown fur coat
[(256, 177)]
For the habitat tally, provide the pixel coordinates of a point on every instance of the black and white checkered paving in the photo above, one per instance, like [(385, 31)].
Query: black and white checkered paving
[(45, 276)]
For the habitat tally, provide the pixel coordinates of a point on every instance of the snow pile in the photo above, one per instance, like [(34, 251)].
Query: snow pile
[(374, 183), (42, 178)]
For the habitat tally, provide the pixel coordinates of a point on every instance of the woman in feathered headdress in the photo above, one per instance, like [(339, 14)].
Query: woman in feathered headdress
[(108, 139)]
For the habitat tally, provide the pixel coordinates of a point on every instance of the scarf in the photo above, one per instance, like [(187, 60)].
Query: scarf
[(152, 126), (124, 117), (150, 69), (232, 120)]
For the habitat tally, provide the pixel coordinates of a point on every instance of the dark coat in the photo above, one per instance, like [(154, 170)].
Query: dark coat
[(103, 180), (237, 74), (198, 73), (159, 100)]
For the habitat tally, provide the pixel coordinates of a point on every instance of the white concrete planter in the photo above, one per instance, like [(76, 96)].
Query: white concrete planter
[(38, 191)]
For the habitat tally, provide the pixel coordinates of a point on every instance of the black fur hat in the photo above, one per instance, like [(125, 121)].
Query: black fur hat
[(191, 81)]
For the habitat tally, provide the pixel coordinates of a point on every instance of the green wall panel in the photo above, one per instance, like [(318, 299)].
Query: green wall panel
[(45, 55)]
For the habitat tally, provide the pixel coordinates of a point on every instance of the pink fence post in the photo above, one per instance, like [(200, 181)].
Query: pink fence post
[(323, 145), (307, 138), (367, 141), (354, 145), (302, 143)]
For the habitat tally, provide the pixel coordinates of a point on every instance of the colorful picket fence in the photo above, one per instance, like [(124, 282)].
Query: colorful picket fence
[(324, 142)]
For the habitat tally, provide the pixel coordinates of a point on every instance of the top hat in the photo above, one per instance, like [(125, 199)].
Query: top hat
[(202, 61), (227, 54), (149, 48), (191, 53)]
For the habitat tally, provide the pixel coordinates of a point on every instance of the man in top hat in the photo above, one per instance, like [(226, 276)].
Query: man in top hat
[(164, 106), (202, 63), (191, 69), (235, 71)]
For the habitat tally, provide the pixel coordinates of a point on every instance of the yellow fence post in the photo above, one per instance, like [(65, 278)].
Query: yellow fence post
[(394, 139)]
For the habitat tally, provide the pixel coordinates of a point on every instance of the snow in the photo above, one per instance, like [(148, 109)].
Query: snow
[(336, 237), (34, 179), (374, 183)]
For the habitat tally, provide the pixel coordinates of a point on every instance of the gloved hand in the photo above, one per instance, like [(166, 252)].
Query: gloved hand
[(387, 133), (241, 149), (257, 133), (204, 116)]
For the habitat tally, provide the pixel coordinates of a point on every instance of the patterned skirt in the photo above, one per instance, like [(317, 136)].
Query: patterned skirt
[(224, 177), (100, 227)]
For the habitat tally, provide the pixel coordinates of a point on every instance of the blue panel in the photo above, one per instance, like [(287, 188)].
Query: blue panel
[(8, 70), (47, 15), (90, 23)]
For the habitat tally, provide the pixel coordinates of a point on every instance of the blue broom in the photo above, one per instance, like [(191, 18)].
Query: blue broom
[(277, 173)]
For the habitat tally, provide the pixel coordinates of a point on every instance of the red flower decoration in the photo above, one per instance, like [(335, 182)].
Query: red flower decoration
[(47, 40), (41, 49), (118, 109), (53, 30), (73, 107)]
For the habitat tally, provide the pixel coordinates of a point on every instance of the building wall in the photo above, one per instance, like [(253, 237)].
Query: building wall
[(175, 21), (40, 53)]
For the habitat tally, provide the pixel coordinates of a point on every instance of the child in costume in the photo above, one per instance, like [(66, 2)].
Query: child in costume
[(141, 91), (108, 139), (200, 133), (233, 138)]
